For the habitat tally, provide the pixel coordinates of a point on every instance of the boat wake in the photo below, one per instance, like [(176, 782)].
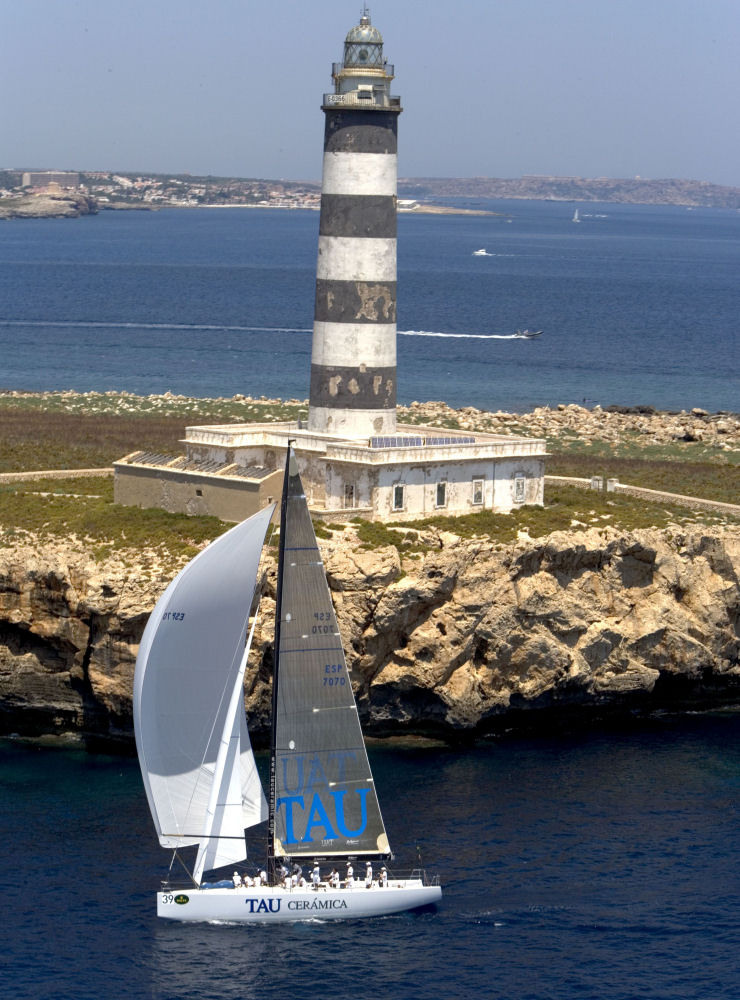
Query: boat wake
[(96, 325), (68, 324), (460, 336)]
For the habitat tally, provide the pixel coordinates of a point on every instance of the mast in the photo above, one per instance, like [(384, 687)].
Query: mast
[(271, 871)]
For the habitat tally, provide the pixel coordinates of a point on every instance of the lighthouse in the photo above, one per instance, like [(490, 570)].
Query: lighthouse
[(354, 459), (353, 356)]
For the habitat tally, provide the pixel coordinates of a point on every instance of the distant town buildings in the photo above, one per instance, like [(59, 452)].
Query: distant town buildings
[(45, 178), (113, 190)]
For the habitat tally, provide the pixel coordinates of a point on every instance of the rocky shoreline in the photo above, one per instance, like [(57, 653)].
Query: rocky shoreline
[(611, 424), (455, 638), (48, 206), (462, 640)]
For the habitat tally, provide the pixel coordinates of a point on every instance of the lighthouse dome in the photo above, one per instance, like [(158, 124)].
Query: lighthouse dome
[(364, 32), (363, 46)]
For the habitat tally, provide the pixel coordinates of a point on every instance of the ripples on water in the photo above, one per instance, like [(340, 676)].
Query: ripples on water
[(598, 867), (638, 305)]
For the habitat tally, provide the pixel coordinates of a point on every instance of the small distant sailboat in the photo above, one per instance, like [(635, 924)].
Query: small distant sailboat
[(196, 760), (576, 216)]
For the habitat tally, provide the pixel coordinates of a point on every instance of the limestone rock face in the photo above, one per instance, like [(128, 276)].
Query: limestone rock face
[(62, 205), (466, 638)]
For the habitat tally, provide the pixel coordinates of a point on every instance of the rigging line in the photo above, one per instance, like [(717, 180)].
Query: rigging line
[(202, 836), (187, 871)]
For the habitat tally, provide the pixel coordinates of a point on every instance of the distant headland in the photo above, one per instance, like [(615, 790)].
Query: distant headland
[(629, 191), (49, 194)]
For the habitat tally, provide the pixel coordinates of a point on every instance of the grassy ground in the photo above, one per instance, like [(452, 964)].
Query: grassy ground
[(708, 479), (66, 431), (91, 430), (58, 508), (60, 431)]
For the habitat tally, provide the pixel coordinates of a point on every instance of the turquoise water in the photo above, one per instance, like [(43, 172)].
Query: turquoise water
[(599, 866), (639, 305)]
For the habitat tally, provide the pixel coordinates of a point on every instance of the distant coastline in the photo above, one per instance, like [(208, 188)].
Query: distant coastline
[(629, 191), (73, 194)]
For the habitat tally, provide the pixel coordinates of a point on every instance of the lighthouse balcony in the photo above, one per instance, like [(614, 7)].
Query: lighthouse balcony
[(363, 99), (383, 69)]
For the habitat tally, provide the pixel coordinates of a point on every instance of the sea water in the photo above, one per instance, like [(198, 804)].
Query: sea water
[(601, 866), (638, 304), (598, 866)]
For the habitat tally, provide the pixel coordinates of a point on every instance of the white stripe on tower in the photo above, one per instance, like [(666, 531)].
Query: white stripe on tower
[(339, 343), (352, 258), (359, 173)]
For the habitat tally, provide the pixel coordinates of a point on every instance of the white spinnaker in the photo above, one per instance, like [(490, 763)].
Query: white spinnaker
[(187, 671)]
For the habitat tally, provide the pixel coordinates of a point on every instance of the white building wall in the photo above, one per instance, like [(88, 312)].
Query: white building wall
[(344, 475), (375, 487)]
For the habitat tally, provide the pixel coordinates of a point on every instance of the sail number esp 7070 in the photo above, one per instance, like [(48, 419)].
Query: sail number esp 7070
[(330, 672), (323, 623)]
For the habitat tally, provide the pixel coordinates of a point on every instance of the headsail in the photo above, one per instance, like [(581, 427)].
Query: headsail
[(325, 800), (187, 699)]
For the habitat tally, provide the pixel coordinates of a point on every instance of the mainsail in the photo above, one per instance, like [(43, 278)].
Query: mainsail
[(196, 759), (324, 796)]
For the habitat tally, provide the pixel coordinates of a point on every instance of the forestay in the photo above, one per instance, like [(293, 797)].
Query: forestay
[(325, 800), (191, 735)]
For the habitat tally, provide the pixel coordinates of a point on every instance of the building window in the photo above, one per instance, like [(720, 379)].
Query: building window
[(478, 492), (199, 493), (519, 483), (398, 496), (349, 496), (441, 500)]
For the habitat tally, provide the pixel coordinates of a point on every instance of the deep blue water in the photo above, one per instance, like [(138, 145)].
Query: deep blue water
[(639, 304), (598, 866)]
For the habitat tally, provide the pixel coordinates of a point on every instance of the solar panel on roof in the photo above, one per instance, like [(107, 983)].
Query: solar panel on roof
[(432, 441), (396, 441)]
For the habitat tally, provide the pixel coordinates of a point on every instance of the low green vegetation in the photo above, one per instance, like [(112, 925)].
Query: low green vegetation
[(710, 479), (91, 430), (54, 431), (85, 508), (59, 508)]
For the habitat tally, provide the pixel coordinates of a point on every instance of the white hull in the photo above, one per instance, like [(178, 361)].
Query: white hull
[(277, 904)]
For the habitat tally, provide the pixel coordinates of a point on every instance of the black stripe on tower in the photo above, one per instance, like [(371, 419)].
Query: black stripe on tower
[(355, 301), (358, 215), (361, 132), (352, 388)]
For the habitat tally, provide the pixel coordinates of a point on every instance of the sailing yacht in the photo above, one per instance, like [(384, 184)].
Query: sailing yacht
[(194, 750)]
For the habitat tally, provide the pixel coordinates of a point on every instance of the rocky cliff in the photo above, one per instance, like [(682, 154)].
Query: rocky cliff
[(461, 639), (62, 205)]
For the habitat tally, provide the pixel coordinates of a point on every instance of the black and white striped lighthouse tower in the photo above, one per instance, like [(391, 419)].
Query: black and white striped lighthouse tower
[(353, 358)]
